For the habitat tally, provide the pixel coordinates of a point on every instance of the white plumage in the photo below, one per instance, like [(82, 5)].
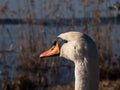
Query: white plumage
[(81, 49)]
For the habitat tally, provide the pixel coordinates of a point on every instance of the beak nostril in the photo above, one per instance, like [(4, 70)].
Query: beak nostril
[(52, 48)]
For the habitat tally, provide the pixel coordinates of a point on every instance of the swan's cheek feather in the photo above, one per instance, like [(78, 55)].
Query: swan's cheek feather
[(68, 53)]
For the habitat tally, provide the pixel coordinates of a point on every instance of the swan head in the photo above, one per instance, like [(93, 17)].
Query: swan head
[(67, 45), (80, 49)]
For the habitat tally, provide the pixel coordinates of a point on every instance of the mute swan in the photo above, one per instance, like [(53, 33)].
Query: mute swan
[(80, 49)]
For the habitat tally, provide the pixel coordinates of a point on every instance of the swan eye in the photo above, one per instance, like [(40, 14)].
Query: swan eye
[(61, 42), (54, 42)]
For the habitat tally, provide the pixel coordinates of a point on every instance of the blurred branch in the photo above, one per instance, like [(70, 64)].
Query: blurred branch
[(7, 51), (61, 22)]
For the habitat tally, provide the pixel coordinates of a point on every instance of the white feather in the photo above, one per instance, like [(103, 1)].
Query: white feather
[(82, 50)]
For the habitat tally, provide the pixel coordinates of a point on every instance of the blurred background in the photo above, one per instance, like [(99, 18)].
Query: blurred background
[(27, 28)]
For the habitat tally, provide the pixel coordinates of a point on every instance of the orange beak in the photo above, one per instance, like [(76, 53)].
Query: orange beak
[(52, 51)]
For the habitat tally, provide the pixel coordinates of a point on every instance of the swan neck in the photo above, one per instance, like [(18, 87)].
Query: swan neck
[(81, 76)]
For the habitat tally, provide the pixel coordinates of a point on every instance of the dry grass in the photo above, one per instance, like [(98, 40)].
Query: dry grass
[(66, 87), (109, 85), (104, 85)]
